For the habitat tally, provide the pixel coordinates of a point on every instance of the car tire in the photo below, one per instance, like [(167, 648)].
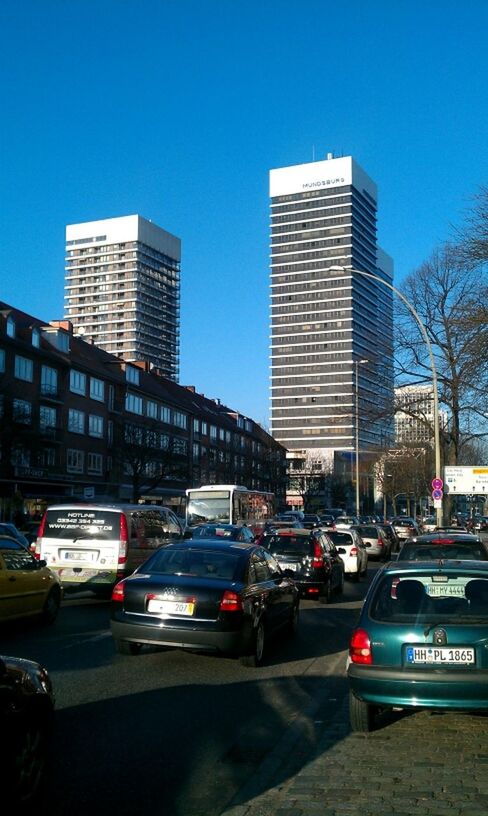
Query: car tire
[(127, 647), (51, 606), (361, 715), (254, 657), (292, 625), (326, 596), (29, 759)]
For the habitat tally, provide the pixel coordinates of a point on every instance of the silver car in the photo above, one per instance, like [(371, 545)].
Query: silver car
[(375, 540)]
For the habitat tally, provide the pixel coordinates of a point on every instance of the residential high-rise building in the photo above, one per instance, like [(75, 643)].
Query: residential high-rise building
[(122, 287), (331, 329)]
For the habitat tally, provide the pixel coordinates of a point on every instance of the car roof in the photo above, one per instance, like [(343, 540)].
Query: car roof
[(444, 566), (444, 537), (294, 531)]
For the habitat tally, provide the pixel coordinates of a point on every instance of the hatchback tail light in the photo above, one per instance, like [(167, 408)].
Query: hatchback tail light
[(231, 602), (353, 551), (380, 542), (360, 647), (318, 557), (123, 539), (118, 592)]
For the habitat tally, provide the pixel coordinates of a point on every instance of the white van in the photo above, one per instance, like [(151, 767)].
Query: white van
[(92, 546)]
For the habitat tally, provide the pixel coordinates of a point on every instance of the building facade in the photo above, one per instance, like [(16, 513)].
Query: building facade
[(77, 423), (414, 415), (122, 289), (331, 329)]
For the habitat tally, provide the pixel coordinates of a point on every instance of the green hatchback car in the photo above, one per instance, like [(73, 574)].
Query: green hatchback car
[(421, 641)]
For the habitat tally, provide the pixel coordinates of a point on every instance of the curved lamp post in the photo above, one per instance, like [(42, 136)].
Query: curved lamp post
[(423, 331)]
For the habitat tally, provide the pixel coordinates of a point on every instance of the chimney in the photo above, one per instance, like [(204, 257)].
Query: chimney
[(62, 324)]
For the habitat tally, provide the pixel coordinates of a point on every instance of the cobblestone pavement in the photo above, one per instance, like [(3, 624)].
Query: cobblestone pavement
[(423, 763)]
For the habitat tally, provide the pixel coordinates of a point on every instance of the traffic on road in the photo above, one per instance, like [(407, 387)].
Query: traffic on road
[(197, 715)]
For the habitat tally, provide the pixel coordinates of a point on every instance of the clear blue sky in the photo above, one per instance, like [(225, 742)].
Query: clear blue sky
[(177, 109)]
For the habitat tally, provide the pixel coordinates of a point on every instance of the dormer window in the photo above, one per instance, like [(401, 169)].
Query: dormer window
[(132, 375), (36, 338), (10, 326)]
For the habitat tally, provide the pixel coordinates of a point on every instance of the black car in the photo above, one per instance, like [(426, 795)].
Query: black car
[(208, 595), (229, 532), (312, 558), (26, 718), (310, 521)]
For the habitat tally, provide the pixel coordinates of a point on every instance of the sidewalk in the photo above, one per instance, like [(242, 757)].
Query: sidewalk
[(427, 763)]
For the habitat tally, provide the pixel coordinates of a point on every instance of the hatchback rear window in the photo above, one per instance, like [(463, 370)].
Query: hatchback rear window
[(288, 545), (460, 552), (430, 598), (82, 523), (367, 531), (340, 538)]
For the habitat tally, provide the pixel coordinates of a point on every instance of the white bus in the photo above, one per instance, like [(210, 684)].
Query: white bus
[(227, 504)]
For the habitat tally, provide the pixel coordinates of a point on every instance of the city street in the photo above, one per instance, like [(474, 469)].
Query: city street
[(187, 735)]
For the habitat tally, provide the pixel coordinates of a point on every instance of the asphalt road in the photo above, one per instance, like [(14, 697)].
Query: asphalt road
[(170, 731)]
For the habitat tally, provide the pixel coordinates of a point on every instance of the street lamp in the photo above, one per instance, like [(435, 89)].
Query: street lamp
[(357, 363), (425, 336)]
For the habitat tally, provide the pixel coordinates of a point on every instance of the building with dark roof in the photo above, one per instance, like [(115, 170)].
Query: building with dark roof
[(80, 423)]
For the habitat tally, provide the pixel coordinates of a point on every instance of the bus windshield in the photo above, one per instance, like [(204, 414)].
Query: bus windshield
[(204, 507)]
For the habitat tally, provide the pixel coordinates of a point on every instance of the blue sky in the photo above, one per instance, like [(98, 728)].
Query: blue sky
[(177, 109)]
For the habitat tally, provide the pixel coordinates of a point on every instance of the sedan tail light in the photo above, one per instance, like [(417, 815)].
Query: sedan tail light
[(380, 542), (118, 592), (360, 647), (318, 558), (231, 602)]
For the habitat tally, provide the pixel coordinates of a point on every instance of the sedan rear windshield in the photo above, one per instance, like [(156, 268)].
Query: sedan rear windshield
[(431, 598), (194, 563), (288, 545), (367, 531), (72, 523)]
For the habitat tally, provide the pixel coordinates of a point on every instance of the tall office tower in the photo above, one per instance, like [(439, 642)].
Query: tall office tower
[(122, 287), (331, 328)]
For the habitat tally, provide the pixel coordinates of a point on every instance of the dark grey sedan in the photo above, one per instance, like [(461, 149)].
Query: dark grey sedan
[(207, 595)]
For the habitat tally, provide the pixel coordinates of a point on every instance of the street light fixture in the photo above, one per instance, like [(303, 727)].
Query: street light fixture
[(357, 363), (437, 447)]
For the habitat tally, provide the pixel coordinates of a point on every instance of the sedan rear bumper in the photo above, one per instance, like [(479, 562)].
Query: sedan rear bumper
[(233, 642), (420, 688)]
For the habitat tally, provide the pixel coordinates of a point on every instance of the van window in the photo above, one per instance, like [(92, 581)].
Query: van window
[(79, 523)]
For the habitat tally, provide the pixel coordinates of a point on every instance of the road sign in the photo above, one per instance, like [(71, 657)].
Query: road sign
[(466, 480), (437, 503), (437, 494), (437, 484)]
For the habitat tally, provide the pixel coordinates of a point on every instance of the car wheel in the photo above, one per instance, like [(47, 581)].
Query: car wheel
[(361, 715), (292, 626), (29, 756), (51, 606), (326, 595), (255, 657), (127, 647)]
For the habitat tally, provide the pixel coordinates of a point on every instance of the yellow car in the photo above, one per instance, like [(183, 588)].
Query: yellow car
[(27, 586)]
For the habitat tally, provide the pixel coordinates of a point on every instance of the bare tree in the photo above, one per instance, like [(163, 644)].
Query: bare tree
[(148, 457), (444, 292)]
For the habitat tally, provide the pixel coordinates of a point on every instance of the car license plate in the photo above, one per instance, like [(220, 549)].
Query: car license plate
[(440, 655), (170, 607), (446, 591), (78, 555), (292, 567)]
